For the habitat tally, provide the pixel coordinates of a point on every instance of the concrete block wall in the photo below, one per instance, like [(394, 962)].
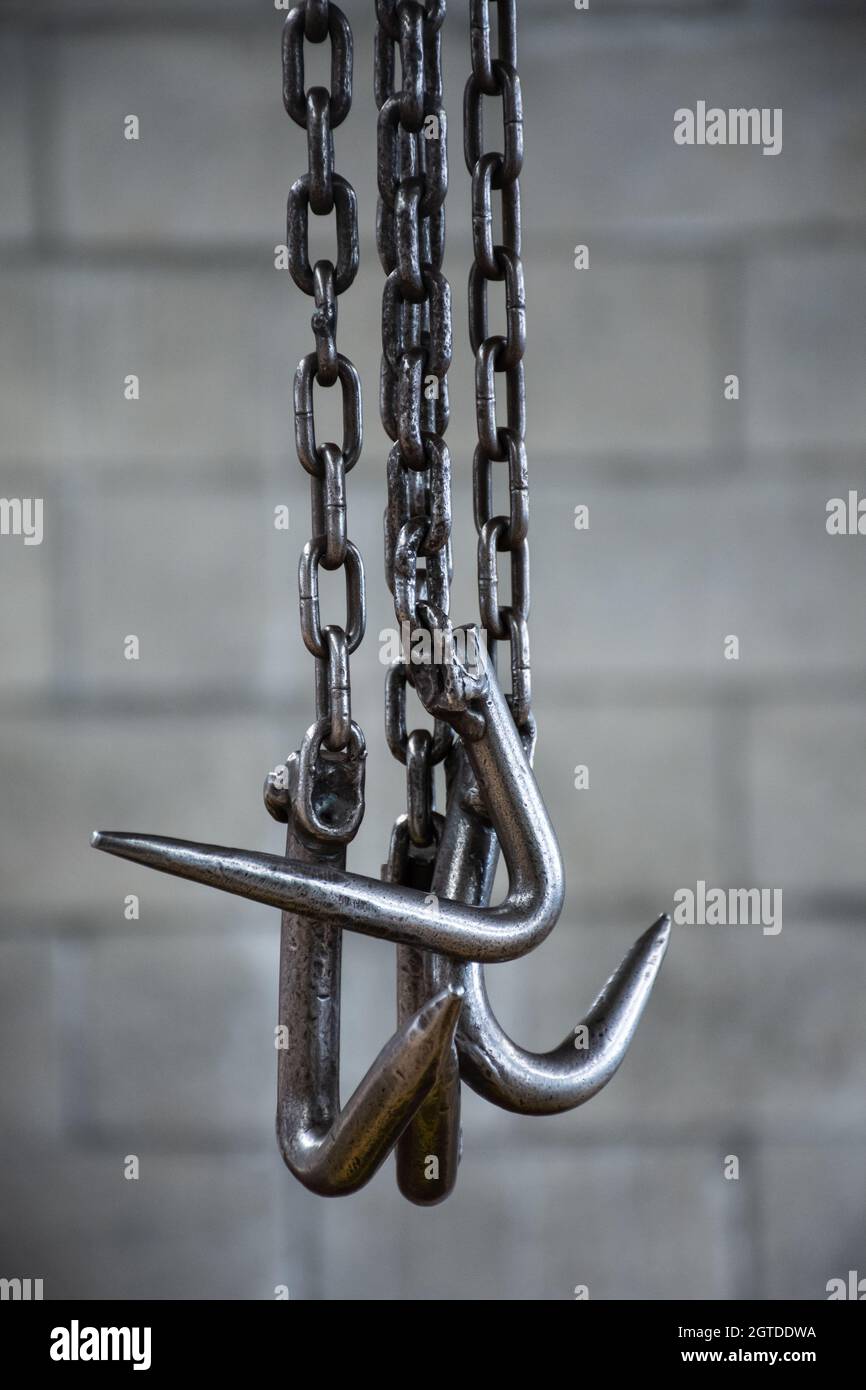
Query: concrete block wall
[(154, 1037)]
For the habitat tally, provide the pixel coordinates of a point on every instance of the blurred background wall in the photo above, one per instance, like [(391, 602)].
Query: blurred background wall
[(155, 1037)]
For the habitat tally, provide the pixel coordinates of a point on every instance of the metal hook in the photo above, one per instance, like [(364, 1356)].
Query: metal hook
[(473, 704), (488, 1060), (334, 1152), (524, 1082), (412, 1089)]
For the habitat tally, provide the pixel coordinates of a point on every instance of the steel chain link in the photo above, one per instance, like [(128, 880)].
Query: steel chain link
[(416, 356), (322, 191), (499, 354)]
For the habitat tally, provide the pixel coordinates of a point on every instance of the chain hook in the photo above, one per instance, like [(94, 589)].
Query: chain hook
[(434, 897)]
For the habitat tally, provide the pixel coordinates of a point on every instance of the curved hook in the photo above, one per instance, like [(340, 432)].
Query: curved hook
[(532, 1083), (476, 708), (334, 1152), (336, 1155)]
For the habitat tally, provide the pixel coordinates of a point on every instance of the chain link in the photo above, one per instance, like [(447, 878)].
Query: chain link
[(499, 355), (412, 175), (416, 355), (322, 191)]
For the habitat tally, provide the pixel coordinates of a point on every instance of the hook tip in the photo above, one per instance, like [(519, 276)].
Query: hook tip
[(652, 946), (112, 841), (447, 1006), (662, 926), (434, 1025)]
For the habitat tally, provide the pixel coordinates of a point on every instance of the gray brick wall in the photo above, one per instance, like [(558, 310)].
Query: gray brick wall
[(154, 1037)]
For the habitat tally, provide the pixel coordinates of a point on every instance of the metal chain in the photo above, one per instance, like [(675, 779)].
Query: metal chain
[(416, 355), (335, 736), (498, 354)]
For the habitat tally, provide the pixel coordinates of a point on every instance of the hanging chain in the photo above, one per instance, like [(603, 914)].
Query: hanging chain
[(497, 354), (335, 737), (416, 355)]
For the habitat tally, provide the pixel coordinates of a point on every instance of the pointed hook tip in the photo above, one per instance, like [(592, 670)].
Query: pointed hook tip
[(441, 1013), (112, 841), (446, 1007), (662, 927), (653, 944)]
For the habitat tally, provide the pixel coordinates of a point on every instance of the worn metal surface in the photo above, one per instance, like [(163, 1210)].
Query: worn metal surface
[(330, 1151), (413, 398), (433, 899)]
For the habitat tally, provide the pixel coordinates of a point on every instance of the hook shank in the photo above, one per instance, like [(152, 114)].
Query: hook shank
[(331, 1152)]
